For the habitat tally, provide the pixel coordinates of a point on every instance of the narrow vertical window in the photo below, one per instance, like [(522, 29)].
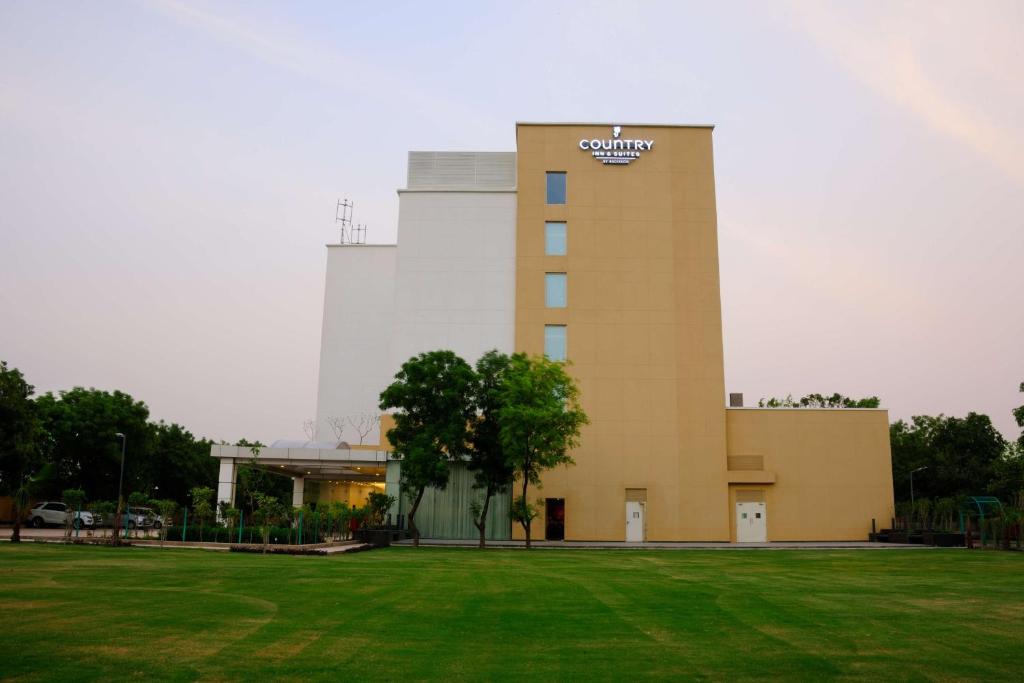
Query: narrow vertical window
[(556, 187), (554, 342), (555, 290), (554, 239)]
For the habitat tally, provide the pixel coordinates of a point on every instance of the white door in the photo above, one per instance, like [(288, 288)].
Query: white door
[(634, 521), (751, 523)]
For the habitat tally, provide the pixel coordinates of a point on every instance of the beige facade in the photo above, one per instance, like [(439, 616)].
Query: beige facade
[(644, 337), (824, 474)]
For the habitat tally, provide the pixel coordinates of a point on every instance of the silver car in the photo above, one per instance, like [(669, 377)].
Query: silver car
[(149, 517)]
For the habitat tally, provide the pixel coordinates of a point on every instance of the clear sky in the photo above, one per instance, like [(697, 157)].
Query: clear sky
[(169, 170)]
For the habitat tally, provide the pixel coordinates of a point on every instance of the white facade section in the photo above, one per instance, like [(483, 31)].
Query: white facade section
[(355, 352), (448, 284), (455, 281)]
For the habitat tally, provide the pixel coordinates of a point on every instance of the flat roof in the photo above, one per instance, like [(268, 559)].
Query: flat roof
[(615, 123), (807, 408)]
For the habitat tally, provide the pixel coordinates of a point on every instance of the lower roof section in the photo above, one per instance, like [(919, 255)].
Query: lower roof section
[(310, 463)]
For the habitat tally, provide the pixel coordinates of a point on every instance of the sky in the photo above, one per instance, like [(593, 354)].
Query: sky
[(169, 171)]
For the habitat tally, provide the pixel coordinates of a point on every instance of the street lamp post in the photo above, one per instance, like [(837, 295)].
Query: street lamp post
[(120, 481), (120, 487), (912, 485), (911, 482)]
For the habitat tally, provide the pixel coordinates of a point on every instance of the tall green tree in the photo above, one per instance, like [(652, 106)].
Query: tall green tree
[(432, 402), (1018, 415), (178, 461), (540, 420), (961, 455), (1008, 479), (86, 452), (492, 470), (820, 401), (24, 443)]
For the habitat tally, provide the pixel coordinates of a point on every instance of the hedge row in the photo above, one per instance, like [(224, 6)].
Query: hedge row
[(219, 534)]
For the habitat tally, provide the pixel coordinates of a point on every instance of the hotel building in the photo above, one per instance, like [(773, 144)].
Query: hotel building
[(595, 244)]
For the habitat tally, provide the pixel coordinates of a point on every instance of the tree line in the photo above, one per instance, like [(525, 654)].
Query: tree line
[(66, 442), (509, 418), (953, 457)]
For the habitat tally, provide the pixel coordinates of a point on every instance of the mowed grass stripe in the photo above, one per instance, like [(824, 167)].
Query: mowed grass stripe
[(86, 613)]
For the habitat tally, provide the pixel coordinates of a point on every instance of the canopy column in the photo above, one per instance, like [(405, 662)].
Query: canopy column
[(226, 483)]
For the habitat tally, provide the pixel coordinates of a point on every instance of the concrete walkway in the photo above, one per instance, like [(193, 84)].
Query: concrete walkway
[(57, 533), (667, 545)]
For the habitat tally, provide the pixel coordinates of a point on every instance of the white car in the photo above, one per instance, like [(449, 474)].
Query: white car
[(47, 513)]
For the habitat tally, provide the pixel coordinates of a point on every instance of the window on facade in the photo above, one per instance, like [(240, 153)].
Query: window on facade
[(556, 187), (555, 290), (554, 342), (554, 239)]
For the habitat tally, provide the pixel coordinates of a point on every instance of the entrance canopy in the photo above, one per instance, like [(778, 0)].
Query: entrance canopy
[(353, 465)]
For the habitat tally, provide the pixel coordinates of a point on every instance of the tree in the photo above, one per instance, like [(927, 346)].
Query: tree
[(230, 515), (540, 420), (73, 498), (961, 455), (309, 428), (136, 499), (820, 401), (254, 480), (492, 471), (202, 506), (268, 512), (377, 504), (167, 509), (1010, 470), (362, 423), (431, 395), (1018, 415), (87, 454), (24, 443), (1007, 479), (339, 512), (103, 509), (178, 461)]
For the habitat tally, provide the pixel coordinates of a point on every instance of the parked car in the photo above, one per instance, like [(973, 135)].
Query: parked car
[(150, 517), (47, 513), (137, 519)]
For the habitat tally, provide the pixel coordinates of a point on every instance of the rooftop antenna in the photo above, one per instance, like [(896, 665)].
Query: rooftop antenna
[(350, 233)]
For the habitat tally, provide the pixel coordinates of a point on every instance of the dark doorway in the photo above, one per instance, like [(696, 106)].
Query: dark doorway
[(554, 517)]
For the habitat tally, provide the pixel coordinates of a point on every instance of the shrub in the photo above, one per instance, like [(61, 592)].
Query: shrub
[(279, 535)]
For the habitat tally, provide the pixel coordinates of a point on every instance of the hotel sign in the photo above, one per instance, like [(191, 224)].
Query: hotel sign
[(617, 150)]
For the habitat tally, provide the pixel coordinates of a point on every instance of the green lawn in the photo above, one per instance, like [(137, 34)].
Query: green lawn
[(74, 613)]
